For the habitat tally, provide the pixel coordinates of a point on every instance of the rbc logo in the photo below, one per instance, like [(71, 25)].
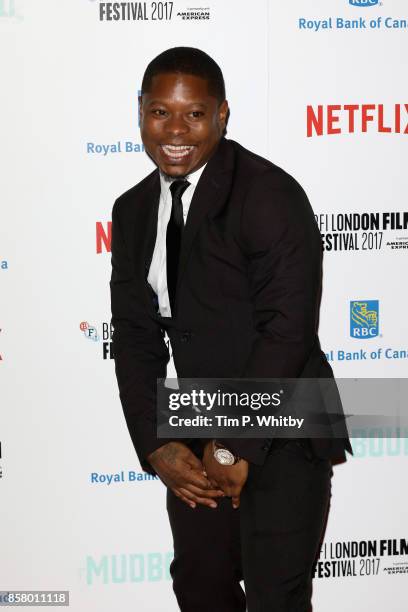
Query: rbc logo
[(363, 2), (364, 319)]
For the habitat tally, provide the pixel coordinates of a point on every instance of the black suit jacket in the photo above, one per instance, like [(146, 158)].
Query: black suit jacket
[(247, 298)]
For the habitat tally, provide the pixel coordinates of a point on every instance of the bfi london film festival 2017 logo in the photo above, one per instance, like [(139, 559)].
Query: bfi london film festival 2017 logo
[(91, 333), (154, 12), (362, 558), (363, 231), (134, 11)]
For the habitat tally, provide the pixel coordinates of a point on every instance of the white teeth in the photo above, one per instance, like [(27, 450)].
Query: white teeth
[(177, 150), (177, 147)]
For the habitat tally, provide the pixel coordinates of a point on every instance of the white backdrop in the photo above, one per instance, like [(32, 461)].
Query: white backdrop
[(76, 513)]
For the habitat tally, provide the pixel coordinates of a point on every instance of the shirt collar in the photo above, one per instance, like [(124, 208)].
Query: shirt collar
[(193, 178)]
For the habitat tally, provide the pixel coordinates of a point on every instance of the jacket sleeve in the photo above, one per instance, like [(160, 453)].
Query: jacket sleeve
[(283, 247), (140, 352)]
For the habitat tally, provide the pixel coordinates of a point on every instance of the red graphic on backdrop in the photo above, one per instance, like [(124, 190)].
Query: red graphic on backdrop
[(103, 236), (329, 119), (89, 331)]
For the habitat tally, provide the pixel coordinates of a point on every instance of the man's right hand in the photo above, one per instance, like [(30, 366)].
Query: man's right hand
[(181, 471)]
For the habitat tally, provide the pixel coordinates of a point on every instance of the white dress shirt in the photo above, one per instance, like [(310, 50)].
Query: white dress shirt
[(157, 277)]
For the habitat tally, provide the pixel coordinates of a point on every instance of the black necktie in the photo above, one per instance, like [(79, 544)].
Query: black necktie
[(173, 237)]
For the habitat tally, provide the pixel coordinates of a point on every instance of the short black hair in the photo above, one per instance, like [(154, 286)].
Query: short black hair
[(187, 60)]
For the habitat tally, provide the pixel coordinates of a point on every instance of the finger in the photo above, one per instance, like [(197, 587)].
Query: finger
[(197, 479), (210, 493), (235, 501), (185, 499), (187, 475), (183, 472), (204, 501)]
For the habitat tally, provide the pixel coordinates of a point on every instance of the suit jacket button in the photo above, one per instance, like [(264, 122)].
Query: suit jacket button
[(185, 337)]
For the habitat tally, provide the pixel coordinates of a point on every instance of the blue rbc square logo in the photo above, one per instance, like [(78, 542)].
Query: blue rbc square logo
[(363, 3), (364, 319)]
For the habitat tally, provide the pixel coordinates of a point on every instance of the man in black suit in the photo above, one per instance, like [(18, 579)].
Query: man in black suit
[(219, 248)]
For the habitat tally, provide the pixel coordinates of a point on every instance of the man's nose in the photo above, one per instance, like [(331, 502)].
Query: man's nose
[(176, 125)]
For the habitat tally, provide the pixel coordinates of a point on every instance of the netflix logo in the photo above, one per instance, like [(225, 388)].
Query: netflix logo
[(351, 118), (103, 236)]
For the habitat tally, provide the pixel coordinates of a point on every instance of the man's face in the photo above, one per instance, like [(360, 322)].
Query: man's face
[(180, 123)]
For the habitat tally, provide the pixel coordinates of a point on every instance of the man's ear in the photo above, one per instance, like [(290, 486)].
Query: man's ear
[(223, 112), (140, 108)]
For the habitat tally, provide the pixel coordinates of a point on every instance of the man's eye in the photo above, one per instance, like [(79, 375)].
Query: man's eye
[(159, 112), (196, 114)]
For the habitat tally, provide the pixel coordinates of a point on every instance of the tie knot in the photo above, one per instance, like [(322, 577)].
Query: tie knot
[(178, 187)]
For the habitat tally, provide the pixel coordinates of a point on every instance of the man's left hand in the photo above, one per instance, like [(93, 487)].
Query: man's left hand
[(229, 478)]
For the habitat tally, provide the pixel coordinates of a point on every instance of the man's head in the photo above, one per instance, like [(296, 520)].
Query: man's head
[(183, 110)]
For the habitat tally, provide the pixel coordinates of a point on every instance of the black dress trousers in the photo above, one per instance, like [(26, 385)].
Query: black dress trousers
[(270, 542)]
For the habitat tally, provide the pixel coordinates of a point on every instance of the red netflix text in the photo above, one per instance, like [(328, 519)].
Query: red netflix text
[(103, 236), (350, 118)]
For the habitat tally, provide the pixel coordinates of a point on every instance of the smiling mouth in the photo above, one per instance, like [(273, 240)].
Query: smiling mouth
[(177, 151)]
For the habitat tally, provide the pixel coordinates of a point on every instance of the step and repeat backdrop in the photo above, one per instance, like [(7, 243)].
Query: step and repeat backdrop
[(319, 87)]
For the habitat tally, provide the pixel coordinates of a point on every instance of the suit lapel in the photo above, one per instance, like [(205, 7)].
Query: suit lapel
[(145, 233), (211, 192), (149, 228)]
